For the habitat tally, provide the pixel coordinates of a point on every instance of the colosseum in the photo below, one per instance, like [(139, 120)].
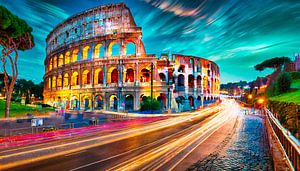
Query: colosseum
[(96, 60)]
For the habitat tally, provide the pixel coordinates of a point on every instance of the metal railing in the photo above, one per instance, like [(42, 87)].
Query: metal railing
[(288, 142)]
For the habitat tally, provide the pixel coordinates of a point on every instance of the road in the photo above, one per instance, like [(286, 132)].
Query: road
[(160, 145)]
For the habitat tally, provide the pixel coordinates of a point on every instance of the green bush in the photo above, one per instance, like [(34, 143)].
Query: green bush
[(287, 114), (295, 75), (284, 81), (148, 104)]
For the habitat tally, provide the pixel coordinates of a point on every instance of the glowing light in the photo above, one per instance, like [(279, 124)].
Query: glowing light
[(250, 96)]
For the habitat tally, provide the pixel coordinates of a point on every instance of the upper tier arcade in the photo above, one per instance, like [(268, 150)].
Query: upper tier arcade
[(109, 22)]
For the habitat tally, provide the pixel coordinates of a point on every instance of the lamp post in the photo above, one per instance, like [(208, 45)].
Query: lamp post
[(151, 85)]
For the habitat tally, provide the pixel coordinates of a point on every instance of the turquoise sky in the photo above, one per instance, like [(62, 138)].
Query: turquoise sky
[(236, 34)]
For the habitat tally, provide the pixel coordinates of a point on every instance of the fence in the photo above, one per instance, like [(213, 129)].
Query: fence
[(288, 142)]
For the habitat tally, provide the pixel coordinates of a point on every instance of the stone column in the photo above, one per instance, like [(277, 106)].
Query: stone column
[(79, 55), (91, 51)]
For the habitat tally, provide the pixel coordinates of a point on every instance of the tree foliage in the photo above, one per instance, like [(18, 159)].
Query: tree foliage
[(272, 63), (150, 105), (15, 34), (284, 81)]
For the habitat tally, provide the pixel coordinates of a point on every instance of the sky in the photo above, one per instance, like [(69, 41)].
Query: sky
[(236, 34)]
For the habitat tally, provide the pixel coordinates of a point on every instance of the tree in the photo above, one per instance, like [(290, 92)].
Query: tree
[(15, 34), (149, 105), (284, 81), (272, 63)]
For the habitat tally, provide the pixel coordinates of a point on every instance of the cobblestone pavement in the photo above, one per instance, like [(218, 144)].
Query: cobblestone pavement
[(246, 148)]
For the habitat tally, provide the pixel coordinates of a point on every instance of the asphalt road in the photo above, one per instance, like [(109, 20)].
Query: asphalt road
[(155, 150)]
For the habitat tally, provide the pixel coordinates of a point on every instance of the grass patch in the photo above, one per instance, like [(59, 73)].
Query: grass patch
[(16, 109), (293, 96), (295, 84)]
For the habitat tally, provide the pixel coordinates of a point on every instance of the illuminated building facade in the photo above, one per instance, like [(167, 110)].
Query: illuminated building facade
[(89, 66)]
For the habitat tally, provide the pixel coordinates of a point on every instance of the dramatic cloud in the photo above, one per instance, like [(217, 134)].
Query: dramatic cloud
[(235, 34)]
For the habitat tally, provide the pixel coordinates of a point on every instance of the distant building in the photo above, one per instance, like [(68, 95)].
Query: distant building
[(297, 62)]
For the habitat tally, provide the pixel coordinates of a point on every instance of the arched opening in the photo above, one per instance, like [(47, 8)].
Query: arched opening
[(129, 75), (113, 102), (181, 68), (66, 80), (54, 62), (98, 102), (198, 66), (75, 79), (114, 76), (162, 77), (130, 48), (86, 77), (67, 57), (51, 64), (53, 82), (191, 99), (59, 81), (74, 103), (129, 102), (199, 81), (97, 51), (180, 80), (191, 63), (85, 52), (145, 75), (60, 60), (49, 83), (86, 101), (75, 55), (113, 49), (98, 76), (191, 81), (162, 98)]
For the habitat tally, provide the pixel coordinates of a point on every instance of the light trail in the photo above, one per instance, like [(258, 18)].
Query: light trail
[(72, 147), (155, 158)]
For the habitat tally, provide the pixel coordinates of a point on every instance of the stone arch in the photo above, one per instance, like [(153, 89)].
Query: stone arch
[(66, 80), (59, 80), (129, 102), (86, 102), (113, 75), (98, 102), (67, 57), (181, 68), (74, 101), (113, 102), (60, 60), (86, 77), (55, 62), (191, 101), (75, 55), (198, 66), (75, 79), (191, 64), (98, 76), (162, 98), (129, 75), (191, 80), (130, 48), (145, 75), (113, 49), (85, 52), (49, 82), (162, 76), (199, 80), (99, 51), (181, 79), (53, 81), (51, 64)]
